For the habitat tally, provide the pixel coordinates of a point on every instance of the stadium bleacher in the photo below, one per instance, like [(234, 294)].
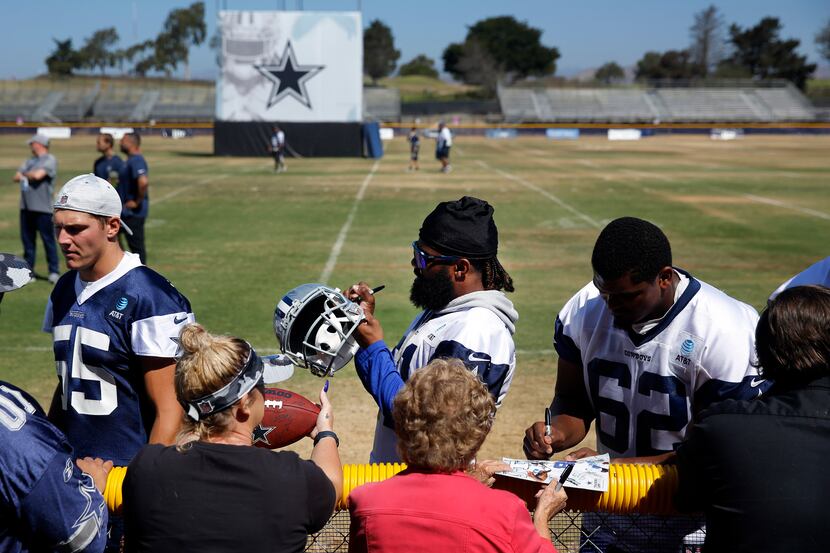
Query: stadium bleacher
[(126, 101), (381, 104), (666, 104)]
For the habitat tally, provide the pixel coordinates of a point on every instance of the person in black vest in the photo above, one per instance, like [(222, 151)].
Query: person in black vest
[(757, 468)]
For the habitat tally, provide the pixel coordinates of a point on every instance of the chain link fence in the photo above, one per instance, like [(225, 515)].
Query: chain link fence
[(573, 532)]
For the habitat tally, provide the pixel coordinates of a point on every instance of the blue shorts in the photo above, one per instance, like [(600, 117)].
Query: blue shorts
[(441, 153)]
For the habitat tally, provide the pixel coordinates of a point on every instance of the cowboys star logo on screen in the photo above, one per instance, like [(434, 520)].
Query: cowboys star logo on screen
[(289, 78)]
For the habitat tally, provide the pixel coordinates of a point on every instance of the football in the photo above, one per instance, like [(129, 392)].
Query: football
[(288, 418)]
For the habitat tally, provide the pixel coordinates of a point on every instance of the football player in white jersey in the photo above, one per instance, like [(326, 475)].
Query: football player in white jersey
[(817, 273), (643, 348), (458, 283)]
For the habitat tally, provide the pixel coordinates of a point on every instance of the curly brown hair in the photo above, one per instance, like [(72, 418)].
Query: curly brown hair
[(442, 416)]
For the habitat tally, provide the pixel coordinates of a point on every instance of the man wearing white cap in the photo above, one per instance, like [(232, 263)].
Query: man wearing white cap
[(115, 325), (36, 176)]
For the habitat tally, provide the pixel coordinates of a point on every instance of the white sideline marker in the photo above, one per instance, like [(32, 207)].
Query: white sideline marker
[(185, 188), (344, 231), (543, 192)]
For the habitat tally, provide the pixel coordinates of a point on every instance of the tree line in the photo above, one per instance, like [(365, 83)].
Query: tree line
[(504, 50), (495, 50), (183, 28)]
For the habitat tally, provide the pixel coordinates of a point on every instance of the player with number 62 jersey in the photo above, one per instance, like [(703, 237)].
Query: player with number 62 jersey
[(645, 389)]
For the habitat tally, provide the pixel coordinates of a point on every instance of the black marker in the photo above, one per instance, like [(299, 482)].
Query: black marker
[(372, 292), (547, 421), (564, 477)]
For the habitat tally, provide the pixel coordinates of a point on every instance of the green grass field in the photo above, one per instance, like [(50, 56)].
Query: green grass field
[(233, 236)]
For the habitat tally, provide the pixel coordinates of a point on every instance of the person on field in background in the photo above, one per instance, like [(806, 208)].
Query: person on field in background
[(36, 177), (134, 190), (414, 147), (109, 165), (443, 143), (277, 149)]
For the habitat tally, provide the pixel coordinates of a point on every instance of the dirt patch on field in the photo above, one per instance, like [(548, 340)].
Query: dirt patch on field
[(706, 204)]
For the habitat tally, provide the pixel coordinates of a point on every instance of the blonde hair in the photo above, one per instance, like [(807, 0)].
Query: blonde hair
[(209, 363), (442, 416)]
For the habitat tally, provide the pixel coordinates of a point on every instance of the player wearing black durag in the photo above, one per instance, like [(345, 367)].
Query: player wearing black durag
[(458, 284)]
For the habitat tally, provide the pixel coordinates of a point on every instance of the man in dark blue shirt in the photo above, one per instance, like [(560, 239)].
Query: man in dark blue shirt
[(133, 188), (109, 165)]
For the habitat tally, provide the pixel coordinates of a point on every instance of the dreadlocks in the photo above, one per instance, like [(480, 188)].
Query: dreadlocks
[(493, 275)]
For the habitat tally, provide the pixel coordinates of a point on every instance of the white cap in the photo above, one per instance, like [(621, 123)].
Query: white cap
[(276, 368), (91, 194), (41, 139)]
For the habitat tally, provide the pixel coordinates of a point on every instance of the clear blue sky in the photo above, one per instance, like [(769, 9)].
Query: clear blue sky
[(587, 32)]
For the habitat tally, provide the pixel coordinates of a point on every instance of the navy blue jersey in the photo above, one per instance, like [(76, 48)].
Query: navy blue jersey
[(46, 502), (101, 331), (134, 168), (108, 168)]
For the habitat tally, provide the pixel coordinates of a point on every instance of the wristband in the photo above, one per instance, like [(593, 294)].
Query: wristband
[(326, 434)]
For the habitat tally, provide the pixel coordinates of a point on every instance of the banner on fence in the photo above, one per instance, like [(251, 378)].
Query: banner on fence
[(55, 132), (562, 134), (624, 134), (290, 66)]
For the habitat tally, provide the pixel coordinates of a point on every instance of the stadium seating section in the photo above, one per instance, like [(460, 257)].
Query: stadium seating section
[(94, 100), (647, 105), (137, 101)]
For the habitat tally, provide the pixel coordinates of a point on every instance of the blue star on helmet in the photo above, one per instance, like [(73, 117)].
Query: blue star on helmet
[(260, 433), (288, 77)]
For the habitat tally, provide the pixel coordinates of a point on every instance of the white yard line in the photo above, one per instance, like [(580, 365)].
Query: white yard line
[(344, 231), (185, 188), (545, 193), (778, 203), (752, 197)]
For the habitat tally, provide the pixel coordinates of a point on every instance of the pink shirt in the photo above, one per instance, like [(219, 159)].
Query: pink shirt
[(420, 511)]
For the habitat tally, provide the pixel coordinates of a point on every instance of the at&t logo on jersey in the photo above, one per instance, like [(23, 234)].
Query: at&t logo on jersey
[(687, 347), (120, 306)]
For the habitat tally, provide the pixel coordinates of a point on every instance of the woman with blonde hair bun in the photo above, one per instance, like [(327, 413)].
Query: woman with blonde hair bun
[(442, 417), (214, 491)]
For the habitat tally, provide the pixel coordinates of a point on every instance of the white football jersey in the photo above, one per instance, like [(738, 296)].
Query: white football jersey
[(475, 335), (644, 390), (817, 273)]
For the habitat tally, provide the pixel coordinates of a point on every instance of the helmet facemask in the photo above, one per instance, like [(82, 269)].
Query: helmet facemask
[(316, 330)]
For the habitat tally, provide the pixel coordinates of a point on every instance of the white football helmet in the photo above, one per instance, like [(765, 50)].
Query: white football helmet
[(314, 325)]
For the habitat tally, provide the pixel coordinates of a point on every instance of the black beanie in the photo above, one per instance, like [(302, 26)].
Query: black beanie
[(464, 227)]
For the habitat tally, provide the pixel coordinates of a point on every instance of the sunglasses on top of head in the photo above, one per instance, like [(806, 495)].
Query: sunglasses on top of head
[(423, 259)]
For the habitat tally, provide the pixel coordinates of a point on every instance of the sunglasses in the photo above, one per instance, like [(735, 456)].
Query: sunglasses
[(423, 259)]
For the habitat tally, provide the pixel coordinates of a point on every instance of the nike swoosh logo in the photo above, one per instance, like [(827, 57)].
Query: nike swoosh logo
[(177, 320), (755, 383), (473, 359)]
